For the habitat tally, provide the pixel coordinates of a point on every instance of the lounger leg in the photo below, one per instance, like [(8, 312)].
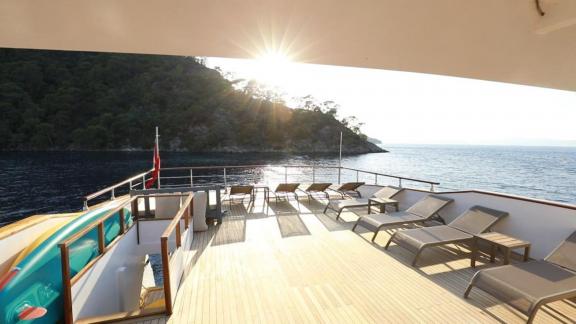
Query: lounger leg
[(375, 234), (532, 315), (468, 290), (355, 224), (389, 241), (297, 201), (339, 211), (326, 208), (415, 260)]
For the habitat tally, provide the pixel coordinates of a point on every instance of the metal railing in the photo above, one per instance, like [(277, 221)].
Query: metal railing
[(187, 177), (190, 176), (137, 181)]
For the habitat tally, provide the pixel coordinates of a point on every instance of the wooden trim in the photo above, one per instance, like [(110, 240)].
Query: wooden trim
[(176, 219), (101, 238), (66, 283), (510, 196), (124, 316), (121, 221), (496, 194), (93, 261), (178, 235), (94, 224), (134, 208), (156, 219), (166, 275)]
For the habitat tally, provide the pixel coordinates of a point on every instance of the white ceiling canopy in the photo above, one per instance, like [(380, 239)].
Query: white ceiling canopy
[(498, 40)]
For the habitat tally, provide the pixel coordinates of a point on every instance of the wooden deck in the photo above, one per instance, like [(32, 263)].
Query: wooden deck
[(286, 266)]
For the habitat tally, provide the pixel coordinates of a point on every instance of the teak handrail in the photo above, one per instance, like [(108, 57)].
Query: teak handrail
[(185, 210), (68, 280)]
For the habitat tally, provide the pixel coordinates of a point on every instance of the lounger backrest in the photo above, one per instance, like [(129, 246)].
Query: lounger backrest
[(477, 219), (387, 192), (349, 186), (429, 205), (287, 187), (564, 254), (236, 190), (318, 186)]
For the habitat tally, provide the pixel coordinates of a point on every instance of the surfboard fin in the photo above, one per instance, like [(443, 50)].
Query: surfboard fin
[(5, 278), (31, 312)]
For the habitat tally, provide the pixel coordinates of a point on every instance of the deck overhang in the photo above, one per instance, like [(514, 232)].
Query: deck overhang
[(495, 40)]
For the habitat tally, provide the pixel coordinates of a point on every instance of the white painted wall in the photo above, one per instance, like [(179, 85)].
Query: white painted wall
[(113, 284), (179, 262), (545, 226), (150, 233)]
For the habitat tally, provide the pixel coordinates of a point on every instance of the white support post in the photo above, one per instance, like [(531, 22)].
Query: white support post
[(313, 174)]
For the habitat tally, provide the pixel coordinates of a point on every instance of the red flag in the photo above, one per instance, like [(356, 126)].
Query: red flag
[(156, 170)]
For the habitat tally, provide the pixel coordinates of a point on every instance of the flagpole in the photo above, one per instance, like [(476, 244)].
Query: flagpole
[(340, 159), (158, 150)]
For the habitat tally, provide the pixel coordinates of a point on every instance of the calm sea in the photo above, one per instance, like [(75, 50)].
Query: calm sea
[(33, 183)]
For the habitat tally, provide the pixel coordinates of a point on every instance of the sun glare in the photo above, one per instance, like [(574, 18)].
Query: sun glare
[(272, 68)]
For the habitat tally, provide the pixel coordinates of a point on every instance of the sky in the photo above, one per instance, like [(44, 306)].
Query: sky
[(415, 108)]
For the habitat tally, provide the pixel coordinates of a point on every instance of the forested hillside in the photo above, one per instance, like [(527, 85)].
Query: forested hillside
[(54, 100)]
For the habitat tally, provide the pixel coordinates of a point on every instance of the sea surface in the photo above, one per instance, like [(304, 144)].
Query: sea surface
[(46, 182)]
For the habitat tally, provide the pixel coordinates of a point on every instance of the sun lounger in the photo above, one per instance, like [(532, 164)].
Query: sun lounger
[(317, 188), (425, 209), (474, 221), (349, 188), (286, 190), (242, 191), (530, 285), (387, 192)]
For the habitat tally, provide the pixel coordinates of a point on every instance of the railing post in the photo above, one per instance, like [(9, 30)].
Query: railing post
[(166, 274), (191, 178), (122, 225), (313, 174), (225, 182), (285, 174), (101, 242), (375, 178), (85, 207), (130, 184), (357, 176), (112, 196), (400, 182), (67, 285), (134, 210), (339, 173), (144, 181), (431, 187), (178, 235), (158, 181)]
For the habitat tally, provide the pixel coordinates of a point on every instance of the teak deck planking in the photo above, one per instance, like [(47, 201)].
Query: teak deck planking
[(253, 275)]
